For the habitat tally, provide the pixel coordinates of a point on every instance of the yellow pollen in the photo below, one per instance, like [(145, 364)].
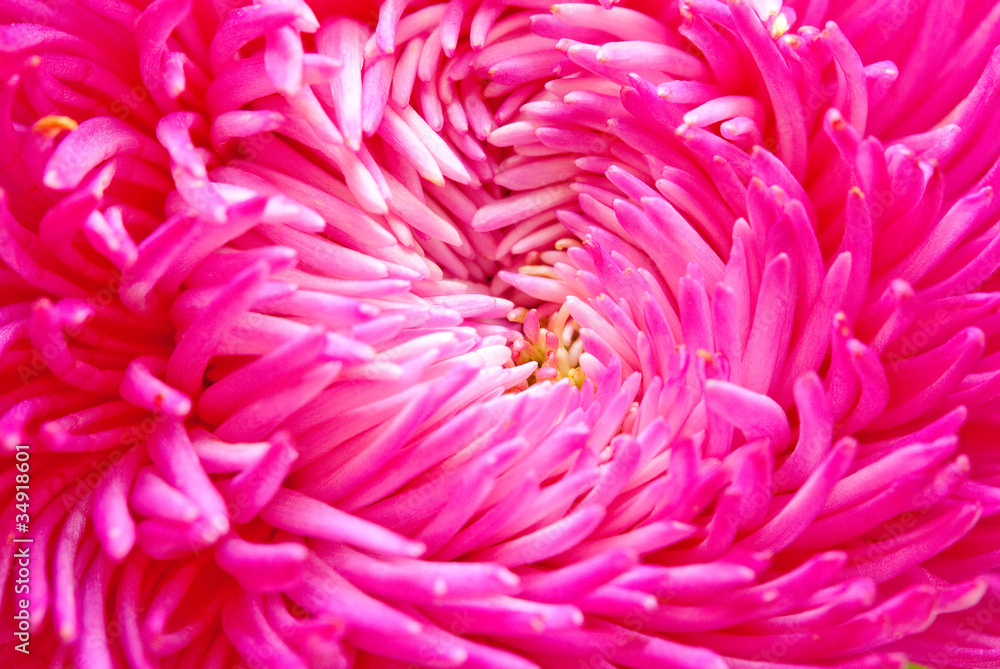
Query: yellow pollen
[(52, 125), (543, 271), (706, 355), (780, 26), (557, 352), (567, 243), (517, 314)]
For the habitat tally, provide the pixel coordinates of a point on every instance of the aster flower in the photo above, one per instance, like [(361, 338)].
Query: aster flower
[(499, 334)]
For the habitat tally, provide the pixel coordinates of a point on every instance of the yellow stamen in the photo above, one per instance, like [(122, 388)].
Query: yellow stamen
[(538, 270), (780, 26), (52, 125), (566, 243), (517, 314)]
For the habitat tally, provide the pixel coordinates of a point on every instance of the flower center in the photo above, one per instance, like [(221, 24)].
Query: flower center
[(554, 345)]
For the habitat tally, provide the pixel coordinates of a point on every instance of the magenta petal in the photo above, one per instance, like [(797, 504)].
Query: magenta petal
[(91, 144), (500, 334)]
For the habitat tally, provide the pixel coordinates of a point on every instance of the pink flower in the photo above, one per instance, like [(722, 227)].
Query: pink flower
[(500, 335)]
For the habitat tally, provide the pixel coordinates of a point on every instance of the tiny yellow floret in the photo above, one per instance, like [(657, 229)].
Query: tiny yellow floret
[(52, 125)]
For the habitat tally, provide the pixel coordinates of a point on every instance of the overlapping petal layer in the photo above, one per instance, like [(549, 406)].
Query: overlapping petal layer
[(501, 335)]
